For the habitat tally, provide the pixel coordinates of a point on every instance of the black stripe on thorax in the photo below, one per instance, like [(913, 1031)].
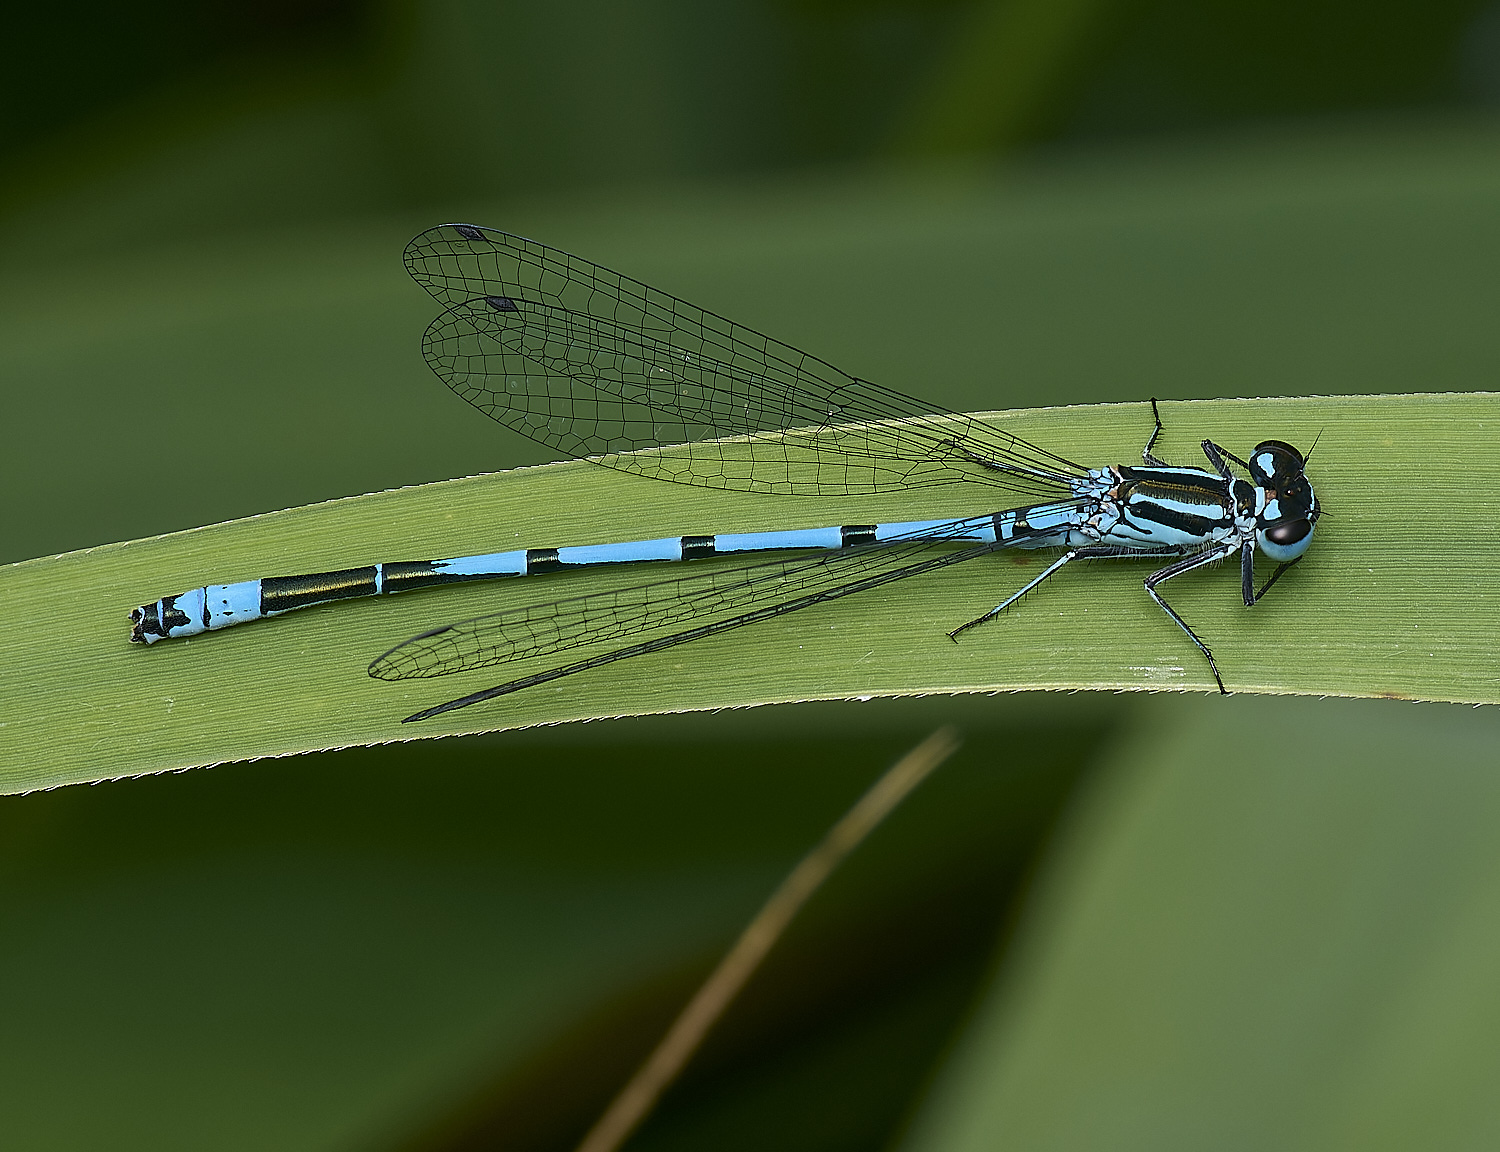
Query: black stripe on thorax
[(1187, 484), (1184, 499), (1138, 509)]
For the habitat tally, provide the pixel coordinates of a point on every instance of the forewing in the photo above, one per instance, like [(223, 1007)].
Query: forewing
[(595, 364)]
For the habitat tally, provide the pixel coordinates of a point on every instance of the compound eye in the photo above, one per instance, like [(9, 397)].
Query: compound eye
[(1287, 533), (1273, 460), (1286, 540)]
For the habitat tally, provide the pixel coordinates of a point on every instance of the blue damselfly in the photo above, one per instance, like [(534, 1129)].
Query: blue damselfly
[(594, 364)]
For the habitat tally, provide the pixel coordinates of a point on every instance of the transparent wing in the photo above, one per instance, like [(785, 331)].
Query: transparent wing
[(594, 364), (711, 601)]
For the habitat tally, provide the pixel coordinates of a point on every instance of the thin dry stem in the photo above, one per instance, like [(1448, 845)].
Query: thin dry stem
[(638, 1097)]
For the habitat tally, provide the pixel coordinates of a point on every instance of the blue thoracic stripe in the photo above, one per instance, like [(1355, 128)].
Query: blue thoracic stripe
[(1189, 522)]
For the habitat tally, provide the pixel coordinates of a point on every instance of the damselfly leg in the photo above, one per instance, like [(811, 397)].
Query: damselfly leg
[(1149, 458), (1191, 564), (1107, 552)]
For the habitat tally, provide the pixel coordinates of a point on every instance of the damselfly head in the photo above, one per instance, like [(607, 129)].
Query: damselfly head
[(1284, 526)]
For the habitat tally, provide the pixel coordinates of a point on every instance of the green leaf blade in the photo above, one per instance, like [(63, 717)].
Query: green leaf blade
[(1397, 598)]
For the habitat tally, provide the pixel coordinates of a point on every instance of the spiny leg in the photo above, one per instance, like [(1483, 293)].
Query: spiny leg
[(1189, 564), (1093, 552), (1275, 576), (1247, 574), (1147, 458), (999, 608), (1217, 455)]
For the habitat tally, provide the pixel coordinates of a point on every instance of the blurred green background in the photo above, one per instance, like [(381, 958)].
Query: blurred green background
[(1109, 923)]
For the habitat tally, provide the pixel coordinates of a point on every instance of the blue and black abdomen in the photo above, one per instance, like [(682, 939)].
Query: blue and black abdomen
[(216, 606)]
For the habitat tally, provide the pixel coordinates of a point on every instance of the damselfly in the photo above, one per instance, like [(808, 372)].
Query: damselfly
[(597, 365)]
